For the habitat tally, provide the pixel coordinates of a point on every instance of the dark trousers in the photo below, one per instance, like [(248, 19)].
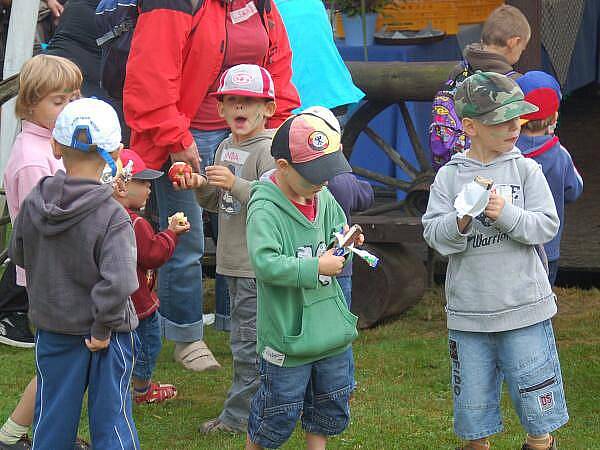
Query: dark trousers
[(13, 298)]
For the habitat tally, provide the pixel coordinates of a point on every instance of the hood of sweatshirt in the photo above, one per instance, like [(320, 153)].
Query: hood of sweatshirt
[(465, 165), (481, 59), (58, 202), (529, 144)]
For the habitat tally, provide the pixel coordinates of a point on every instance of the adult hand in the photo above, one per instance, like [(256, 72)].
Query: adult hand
[(494, 206), (94, 344), (220, 176), (189, 181), (329, 264), (190, 156), (56, 7)]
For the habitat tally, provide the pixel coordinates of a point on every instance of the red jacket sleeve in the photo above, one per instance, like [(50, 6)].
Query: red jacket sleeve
[(153, 250), (153, 80), (279, 65)]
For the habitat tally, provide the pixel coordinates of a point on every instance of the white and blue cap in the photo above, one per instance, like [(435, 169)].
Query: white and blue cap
[(86, 122)]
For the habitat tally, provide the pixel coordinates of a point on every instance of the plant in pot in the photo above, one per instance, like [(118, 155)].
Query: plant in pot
[(359, 18)]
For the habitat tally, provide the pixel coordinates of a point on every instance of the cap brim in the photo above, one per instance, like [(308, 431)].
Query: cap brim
[(324, 168), (147, 174), (241, 93), (507, 112)]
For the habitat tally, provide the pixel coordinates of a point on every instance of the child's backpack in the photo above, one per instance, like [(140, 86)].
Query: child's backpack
[(446, 136), (116, 20)]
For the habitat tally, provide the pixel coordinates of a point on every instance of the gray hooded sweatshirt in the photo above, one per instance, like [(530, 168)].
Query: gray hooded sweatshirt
[(77, 247), (495, 280)]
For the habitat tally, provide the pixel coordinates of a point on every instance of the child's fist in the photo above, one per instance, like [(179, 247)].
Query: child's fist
[(329, 264), (495, 206), (178, 223), (220, 176)]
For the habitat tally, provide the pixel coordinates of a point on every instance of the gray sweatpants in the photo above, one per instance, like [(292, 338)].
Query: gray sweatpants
[(242, 298)]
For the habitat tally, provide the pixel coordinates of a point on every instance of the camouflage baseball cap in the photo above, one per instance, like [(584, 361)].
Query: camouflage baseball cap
[(491, 98)]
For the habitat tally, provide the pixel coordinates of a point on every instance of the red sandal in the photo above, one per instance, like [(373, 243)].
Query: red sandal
[(156, 393)]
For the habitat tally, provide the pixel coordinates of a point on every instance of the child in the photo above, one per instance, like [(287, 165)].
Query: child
[(499, 300), (153, 250), (245, 100), (505, 36), (304, 327), (537, 141), (46, 85), (76, 244)]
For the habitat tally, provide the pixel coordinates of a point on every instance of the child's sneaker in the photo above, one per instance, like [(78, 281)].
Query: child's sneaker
[(215, 426), (14, 331), (80, 444), (22, 444), (156, 393), (552, 446)]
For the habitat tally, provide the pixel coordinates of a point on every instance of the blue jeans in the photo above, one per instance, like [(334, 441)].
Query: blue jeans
[(148, 333), (207, 142), (65, 370), (318, 392), (526, 358)]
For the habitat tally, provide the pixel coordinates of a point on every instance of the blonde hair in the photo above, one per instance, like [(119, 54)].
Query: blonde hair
[(503, 23), (539, 124), (43, 75)]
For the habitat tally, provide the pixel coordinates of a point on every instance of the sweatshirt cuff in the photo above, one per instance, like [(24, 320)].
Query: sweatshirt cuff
[(451, 228), (508, 217), (185, 142), (172, 235), (99, 331), (308, 273), (241, 189)]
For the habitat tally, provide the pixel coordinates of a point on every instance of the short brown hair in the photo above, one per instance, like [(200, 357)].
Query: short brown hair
[(43, 75), (503, 23), (539, 124)]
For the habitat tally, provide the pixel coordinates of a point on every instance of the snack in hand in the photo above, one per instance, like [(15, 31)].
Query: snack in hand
[(180, 218), (485, 183), (177, 172)]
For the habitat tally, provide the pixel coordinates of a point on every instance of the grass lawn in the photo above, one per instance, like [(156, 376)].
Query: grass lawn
[(403, 399)]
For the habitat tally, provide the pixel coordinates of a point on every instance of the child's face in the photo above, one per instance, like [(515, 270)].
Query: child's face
[(499, 138), (138, 192), (47, 110), (246, 116), (296, 182)]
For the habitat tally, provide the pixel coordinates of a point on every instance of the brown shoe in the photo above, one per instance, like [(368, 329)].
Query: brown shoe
[(195, 356), (553, 445), (216, 426)]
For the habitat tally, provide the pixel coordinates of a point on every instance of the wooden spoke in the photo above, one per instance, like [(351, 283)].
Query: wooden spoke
[(396, 157), (414, 138), (390, 181)]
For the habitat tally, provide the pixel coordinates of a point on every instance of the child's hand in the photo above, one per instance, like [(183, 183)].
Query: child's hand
[(189, 181), (220, 176), (94, 344), (329, 264), (494, 206), (179, 224)]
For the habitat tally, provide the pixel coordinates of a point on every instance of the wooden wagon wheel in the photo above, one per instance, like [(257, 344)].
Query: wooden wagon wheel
[(421, 176)]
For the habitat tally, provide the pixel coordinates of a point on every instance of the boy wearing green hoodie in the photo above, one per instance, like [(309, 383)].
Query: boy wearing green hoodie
[(304, 328)]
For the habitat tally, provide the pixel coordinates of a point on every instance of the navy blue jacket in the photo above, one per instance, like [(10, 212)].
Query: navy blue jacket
[(353, 195), (565, 182)]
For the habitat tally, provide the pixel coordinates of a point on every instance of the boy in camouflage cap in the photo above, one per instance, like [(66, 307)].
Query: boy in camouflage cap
[(499, 300)]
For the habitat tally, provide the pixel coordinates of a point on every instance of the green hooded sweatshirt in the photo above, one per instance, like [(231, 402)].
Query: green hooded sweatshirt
[(301, 316)]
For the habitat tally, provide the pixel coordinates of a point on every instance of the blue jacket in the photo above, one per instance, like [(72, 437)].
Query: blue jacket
[(565, 182)]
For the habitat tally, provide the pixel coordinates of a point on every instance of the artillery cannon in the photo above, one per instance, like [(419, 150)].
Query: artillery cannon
[(393, 227)]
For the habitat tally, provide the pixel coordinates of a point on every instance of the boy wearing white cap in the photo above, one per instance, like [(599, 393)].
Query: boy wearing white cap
[(76, 244), (245, 97)]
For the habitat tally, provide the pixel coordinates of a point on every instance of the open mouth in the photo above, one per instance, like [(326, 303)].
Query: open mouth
[(240, 121)]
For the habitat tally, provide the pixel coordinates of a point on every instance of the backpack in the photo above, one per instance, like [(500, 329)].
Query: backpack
[(116, 21), (446, 136)]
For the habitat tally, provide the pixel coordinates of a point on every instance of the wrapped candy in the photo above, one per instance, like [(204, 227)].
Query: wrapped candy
[(473, 197)]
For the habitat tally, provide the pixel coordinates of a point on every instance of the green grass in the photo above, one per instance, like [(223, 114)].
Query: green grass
[(403, 399)]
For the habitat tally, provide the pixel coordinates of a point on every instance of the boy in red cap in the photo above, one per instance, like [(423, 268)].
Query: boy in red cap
[(153, 250), (246, 99), (537, 141)]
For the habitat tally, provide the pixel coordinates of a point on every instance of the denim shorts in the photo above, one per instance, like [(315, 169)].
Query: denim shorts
[(318, 392), (526, 359)]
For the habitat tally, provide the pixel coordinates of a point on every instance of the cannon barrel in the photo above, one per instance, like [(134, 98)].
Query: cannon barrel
[(394, 81)]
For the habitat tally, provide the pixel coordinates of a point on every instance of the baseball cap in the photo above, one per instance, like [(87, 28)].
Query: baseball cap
[(491, 98), (139, 170), (542, 90), (312, 145), (248, 80), (86, 122)]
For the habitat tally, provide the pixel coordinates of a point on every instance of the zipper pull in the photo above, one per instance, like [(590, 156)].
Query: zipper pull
[(222, 46)]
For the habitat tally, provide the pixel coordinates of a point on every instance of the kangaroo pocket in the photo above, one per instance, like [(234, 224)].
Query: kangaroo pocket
[(326, 325)]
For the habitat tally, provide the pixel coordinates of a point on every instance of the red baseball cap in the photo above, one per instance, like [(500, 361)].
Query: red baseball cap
[(139, 171), (248, 80)]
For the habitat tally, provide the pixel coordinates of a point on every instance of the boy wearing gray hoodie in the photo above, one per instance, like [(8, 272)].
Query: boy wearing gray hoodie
[(499, 300), (76, 244)]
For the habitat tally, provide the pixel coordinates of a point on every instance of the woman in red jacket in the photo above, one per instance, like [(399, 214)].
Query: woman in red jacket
[(179, 50)]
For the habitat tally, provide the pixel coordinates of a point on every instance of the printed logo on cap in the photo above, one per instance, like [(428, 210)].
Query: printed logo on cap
[(318, 141), (241, 78)]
